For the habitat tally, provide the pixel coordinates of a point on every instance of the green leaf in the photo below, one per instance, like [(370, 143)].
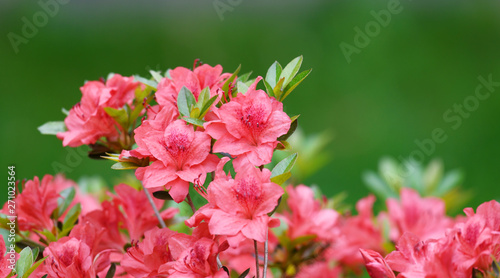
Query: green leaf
[(72, 216), (185, 100), (152, 84), (278, 90), (24, 262), (196, 122), (284, 166), (65, 111), (244, 77), (241, 87), (206, 106), (33, 268), (295, 82), (156, 75), (244, 273), (119, 115), (451, 180), (291, 70), (291, 130), (67, 196), (52, 128), (281, 179), (273, 73), (203, 97), (48, 235), (225, 87), (195, 113), (124, 166), (302, 239), (111, 271), (269, 89), (378, 186), (35, 253)]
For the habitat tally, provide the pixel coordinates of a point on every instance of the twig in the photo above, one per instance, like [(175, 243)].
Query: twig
[(190, 202), (264, 273), (256, 259), (152, 203)]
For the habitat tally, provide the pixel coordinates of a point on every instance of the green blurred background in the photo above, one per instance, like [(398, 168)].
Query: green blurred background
[(392, 93)]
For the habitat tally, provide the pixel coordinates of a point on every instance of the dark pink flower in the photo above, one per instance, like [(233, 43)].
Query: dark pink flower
[(248, 126), (238, 207), (87, 121), (196, 80)]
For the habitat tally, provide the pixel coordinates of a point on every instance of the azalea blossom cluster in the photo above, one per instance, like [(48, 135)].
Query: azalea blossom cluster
[(209, 201)]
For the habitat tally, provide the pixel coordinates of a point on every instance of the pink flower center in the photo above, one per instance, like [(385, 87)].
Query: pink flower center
[(254, 119), (177, 144), (248, 192)]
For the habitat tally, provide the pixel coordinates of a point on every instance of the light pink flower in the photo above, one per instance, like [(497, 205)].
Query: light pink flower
[(376, 266), (319, 270), (424, 217), (248, 126), (6, 259), (183, 156), (307, 217), (238, 207), (196, 80), (87, 121), (72, 258), (360, 231)]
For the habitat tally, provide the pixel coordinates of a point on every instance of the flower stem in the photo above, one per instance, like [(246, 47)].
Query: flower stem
[(190, 202), (266, 251), (256, 259), (152, 203)]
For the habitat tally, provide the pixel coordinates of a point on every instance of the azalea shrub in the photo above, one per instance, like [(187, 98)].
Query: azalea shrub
[(213, 193)]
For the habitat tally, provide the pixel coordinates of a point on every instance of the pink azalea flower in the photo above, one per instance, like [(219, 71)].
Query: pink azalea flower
[(376, 266), (193, 258), (183, 156), (307, 217), (356, 232), (430, 258), (319, 270), (71, 258), (101, 229), (5, 259), (154, 126), (38, 201), (87, 121), (196, 80), (146, 258), (238, 207), (479, 237), (248, 126), (424, 217)]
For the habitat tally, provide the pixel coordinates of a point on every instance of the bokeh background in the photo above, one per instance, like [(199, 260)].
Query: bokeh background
[(393, 92)]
